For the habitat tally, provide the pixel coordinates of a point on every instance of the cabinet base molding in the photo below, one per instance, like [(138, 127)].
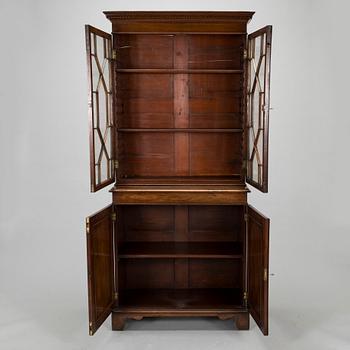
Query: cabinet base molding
[(240, 318)]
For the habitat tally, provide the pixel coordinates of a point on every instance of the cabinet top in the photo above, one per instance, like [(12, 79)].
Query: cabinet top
[(183, 16), (178, 21)]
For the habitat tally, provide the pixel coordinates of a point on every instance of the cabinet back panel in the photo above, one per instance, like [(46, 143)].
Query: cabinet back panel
[(215, 223), (143, 154), (214, 105), (171, 100), (144, 51), (146, 154), (215, 51), (147, 223), (214, 101), (165, 273), (212, 273), (145, 100), (167, 223), (215, 154), (133, 85), (141, 105), (147, 273)]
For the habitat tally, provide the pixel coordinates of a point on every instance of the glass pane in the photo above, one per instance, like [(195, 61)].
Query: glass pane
[(110, 115), (104, 161), (261, 74), (95, 73), (97, 146), (108, 49), (255, 170), (108, 142), (263, 44), (95, 108), (257, 51), (100, 48), (255, 110), (103, 110), (106, 74)]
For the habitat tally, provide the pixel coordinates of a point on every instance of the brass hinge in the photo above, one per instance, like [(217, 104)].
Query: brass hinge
[(90, 328), (114, 54), (245, 296), (87, 225), (265, 275), (245, 54), (115, 295), (116, 164), (114, 217)]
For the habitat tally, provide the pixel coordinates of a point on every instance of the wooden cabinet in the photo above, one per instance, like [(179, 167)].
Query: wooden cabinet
[(178, 111)]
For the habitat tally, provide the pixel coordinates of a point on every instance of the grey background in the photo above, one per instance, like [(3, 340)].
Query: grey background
[(45, 185)]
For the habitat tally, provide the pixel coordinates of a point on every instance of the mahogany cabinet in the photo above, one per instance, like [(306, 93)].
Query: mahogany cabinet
[(178, 112)]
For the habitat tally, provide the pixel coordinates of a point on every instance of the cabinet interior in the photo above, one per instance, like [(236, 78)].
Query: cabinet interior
[(180, 256), (179, 106)]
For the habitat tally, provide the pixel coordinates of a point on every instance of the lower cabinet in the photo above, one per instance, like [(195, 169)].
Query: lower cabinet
[(177, 260)]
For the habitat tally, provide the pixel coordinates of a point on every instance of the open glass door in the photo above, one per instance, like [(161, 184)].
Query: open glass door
[(258, 267), (100, 79), (258, 106), (100, 258)]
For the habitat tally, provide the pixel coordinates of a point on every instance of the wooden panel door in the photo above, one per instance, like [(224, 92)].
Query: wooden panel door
[(258, 106), (100, 101), (258, 267), (100, 259)]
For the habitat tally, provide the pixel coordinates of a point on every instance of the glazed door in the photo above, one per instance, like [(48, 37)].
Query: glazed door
[(258, 267), (100, 101), (100, 259), (258, 107)]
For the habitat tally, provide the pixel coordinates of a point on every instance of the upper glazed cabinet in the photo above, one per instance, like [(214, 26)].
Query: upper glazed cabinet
[(178, 96)]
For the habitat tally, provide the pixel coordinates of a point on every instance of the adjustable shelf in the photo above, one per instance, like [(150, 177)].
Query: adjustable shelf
[(179, 130), (201, 250), (178, 71)]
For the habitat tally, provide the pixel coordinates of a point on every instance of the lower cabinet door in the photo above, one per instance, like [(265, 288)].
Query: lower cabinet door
[(100, 261), (258, 267)]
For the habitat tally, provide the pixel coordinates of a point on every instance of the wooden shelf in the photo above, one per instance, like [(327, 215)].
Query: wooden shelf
[(180, 299), (233, 180), (180, 194), (207, 250), (179, 71), (173, 33), (178, 130)]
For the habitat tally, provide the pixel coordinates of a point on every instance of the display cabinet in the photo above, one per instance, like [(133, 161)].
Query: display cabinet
[(178, 112)]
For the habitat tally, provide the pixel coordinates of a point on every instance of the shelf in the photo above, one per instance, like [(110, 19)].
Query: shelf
[(173, 33), (179, 71), (183, 299), (178, 130), (177, 194), (188, 181), (207, 250)]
